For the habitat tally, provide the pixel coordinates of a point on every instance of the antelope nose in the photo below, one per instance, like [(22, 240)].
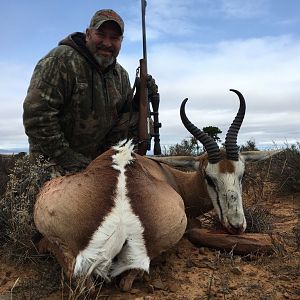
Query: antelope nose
[(237, 228)]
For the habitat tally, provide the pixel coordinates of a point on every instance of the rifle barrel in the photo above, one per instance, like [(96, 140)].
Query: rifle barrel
[(144, 4)]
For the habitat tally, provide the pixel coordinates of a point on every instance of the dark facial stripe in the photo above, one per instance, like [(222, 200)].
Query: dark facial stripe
[(219, 204)]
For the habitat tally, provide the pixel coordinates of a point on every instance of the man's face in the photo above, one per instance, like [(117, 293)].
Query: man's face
[(104, 43)]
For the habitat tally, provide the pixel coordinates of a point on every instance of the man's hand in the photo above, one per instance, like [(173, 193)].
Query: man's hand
[(152, 86), (72, 161)]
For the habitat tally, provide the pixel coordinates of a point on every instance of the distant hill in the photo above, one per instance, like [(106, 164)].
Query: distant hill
[(18, 150), (13, 150)]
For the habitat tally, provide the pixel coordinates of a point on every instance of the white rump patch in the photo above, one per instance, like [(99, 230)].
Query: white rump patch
[(120, 234)]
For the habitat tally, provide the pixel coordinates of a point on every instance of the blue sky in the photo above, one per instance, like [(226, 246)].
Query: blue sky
[(197, 49)]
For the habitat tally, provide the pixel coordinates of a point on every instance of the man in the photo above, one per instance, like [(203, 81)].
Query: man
[(79, 101)]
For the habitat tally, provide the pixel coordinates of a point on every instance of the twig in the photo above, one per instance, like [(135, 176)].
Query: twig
[(11, 291)]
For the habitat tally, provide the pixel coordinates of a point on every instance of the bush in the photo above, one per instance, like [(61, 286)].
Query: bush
[(249, 146), (186, 147), (16, 205)]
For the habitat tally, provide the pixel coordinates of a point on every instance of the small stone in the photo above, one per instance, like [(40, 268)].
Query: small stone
[(252, 274), (205, 258), (173, 287), (146, 277), (189, 263), (202, 250), (179, 254), (254, 286), (150, 288), (284, 278), (158, 284), (237, 259), (135, 291), (236, 271), (233, 287)]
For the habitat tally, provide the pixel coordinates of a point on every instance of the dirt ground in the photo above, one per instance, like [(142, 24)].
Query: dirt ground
[(184, 272)]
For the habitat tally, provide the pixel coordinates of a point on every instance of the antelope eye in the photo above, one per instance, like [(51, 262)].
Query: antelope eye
[(209, 181)]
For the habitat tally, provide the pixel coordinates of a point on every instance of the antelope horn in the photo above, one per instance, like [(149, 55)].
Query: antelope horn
[(231, 146), (208, 142)]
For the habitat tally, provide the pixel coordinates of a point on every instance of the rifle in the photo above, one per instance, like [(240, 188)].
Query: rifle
[(144, 103)]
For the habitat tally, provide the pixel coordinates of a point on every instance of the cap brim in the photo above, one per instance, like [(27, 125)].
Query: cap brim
[(103, 21)]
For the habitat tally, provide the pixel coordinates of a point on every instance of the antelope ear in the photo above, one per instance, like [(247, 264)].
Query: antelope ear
[(190, 163), (258, 155)]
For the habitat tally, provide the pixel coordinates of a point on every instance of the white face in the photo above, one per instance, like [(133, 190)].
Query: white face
[(225, 191)]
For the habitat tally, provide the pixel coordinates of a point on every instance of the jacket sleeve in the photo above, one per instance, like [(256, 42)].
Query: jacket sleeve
[(43, 105)]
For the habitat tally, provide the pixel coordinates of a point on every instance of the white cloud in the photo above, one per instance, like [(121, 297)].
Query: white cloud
[(245, 9), (14, 80), (174, 18), (265, 70)]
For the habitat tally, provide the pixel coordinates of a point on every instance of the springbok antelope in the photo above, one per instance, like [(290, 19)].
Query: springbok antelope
[(124, 210)]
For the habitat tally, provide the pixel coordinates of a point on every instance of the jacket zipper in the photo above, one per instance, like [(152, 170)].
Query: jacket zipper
[(106, 96), (93, 86)]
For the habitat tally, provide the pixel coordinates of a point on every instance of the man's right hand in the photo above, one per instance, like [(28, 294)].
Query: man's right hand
[(152, 86)]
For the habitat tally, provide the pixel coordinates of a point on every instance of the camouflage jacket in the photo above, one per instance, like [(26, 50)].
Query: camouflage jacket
[(72, 104)]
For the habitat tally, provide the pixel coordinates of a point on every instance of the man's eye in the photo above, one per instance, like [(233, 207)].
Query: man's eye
[(112, 37), (101, 34), (209, 181), (115, 37)]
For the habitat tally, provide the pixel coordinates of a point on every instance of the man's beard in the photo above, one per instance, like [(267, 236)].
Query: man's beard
[(104, 61)]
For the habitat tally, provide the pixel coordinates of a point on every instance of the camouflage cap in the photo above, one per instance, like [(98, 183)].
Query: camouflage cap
[(104, 15)]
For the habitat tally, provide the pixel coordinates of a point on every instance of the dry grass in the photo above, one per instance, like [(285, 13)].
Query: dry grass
[(264, 181), (296, 230), (7, 162), (279, 175), (259, 219), (16, 206)]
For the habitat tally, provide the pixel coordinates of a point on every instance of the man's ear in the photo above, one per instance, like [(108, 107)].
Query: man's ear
[(88, 33)]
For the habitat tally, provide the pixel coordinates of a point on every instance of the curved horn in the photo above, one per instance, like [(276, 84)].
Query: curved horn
[(231, 146), (208, 142)]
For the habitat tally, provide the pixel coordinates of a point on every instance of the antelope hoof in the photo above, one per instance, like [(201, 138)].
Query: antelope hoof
[(128, 279), (43, 246)]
